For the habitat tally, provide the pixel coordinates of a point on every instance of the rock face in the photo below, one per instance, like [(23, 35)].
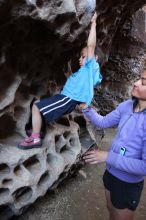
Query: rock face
[(37, 39), (127, 58)]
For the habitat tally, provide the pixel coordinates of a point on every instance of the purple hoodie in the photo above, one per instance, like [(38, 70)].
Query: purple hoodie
[(131, 134)]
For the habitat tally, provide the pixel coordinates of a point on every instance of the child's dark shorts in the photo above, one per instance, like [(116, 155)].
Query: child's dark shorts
[(123, 194), (54, 107)]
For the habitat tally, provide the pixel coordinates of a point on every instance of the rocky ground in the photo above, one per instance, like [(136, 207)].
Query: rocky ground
[(79, 198)]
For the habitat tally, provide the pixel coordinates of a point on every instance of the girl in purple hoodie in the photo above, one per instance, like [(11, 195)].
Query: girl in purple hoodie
[(126, 159)]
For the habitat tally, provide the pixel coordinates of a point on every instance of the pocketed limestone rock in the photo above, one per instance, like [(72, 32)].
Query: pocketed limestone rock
[(25, 175), (37, 39)]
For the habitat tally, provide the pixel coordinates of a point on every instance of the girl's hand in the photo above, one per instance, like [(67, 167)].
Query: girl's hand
[(95, 156), (83, 106)]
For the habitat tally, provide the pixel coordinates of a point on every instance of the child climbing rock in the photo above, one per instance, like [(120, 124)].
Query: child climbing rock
[(78, 89)]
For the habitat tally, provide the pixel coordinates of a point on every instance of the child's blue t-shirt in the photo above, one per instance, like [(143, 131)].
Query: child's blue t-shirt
[(80, 85)]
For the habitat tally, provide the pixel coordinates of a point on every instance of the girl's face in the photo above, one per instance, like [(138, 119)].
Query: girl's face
[(139, 87)]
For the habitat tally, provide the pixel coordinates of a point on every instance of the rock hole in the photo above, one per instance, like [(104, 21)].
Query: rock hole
[(64, 148), (74, 26), (39, 3), (63, 121), (70, 117), (18, 170), (4, 169), (7, 127), (80, 16), (66, 134), (23, 194), (57, 138), (80, 121), (72, 141), (32, 164), (59, 3), (61, 19), (7, 182), (4, 192), (44, 179), (5, 212)]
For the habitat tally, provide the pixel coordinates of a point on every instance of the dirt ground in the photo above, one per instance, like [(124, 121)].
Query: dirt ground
[(79, 198)]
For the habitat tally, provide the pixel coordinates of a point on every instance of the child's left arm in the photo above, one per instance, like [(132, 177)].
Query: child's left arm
[(91, 44)]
